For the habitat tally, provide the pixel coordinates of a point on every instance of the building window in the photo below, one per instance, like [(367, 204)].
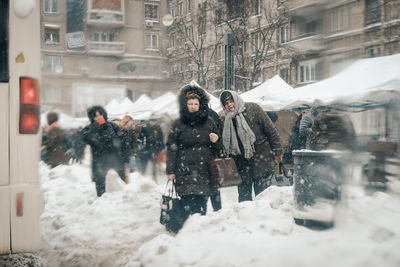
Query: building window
[(284, 74), (103, 36), (51, 63), (256, 7), (256, 41), (202, 25), (51, 36), (281, 2), (189, 33), (172, 40), (189, 5), (220, 52), (392, 48), (51, 6), (373, 51), (311, 28), (372, 11), (53, 95), (151, 12), (180, 9), (340, 19), (152, 41), (219, 15), (307, 72), (285, 34)]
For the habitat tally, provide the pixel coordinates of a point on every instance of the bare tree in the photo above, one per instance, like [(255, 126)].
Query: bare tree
[(192, 33), (254, 25)]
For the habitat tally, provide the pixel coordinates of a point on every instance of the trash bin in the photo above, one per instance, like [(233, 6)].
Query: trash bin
[(317, 175)]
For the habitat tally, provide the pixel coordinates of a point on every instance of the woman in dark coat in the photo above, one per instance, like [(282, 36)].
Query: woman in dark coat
[(250, 137), (104, 138), (192, 144)]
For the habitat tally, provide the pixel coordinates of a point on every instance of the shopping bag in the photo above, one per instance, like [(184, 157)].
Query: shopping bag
[(173, 213), (281, 176), (224, 172)]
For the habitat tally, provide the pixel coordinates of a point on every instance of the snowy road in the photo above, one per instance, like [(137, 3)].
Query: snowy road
[(122, 228)]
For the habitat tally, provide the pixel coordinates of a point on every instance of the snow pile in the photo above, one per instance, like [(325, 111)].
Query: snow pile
[(122, 228)]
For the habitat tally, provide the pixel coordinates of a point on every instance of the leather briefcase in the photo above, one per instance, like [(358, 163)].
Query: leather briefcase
[(224, 172)]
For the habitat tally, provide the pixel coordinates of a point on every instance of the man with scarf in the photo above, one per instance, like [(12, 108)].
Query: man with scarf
[(250, 137)]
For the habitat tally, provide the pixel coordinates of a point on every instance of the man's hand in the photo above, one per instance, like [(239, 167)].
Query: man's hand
[(171, 177)]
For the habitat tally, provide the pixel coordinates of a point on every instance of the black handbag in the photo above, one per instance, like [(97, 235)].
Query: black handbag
[(173, 213)]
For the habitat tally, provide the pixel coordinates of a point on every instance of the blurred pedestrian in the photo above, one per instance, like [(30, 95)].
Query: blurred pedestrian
[(307, 122), (192, 143), (53, 141), (104, 138), (250, 137), (152, 143), (129, 142)]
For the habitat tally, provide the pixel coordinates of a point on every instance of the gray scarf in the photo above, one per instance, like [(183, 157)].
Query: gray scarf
[(244, 131)]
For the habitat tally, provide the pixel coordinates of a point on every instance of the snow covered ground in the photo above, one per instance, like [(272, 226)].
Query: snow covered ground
[(122, 227)]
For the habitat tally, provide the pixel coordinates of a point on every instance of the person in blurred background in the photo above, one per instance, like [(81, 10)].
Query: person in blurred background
[(192, 143), (129, 142), (53, 141), (307, 122), (104, 138), (152, 143), (250, 137)]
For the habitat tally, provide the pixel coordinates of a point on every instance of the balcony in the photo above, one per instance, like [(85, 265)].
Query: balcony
[(305, 8), (105, 48), (308, 42), (105, 18)]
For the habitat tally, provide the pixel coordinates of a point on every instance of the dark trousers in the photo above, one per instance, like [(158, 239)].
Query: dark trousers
[(195, 203), (216, 201), (152, 160), (100, 169), (259, 184)]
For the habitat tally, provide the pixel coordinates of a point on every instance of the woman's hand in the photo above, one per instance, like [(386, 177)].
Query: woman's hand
[(171, 177), (213, 137)]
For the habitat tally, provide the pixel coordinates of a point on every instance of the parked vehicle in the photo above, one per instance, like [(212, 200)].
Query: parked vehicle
[(21, 201)]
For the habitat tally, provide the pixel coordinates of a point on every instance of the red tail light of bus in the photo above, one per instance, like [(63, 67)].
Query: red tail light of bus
[(29, 117)]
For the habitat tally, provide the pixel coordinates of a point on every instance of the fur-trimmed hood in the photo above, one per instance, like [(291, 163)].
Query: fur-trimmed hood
[(198, 117), (91, 112)]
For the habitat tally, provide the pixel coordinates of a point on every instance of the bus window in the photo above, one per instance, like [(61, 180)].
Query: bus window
[(3, 41)]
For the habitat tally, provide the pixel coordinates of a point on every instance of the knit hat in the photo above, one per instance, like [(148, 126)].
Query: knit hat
[(225, 96)]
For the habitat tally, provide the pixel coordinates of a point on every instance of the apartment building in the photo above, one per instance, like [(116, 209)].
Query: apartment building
[(301, 40), (97, 50)]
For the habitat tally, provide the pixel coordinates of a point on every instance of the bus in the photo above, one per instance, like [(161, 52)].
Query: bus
[(21, 200)]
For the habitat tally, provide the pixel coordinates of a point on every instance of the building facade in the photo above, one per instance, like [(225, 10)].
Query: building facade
[(97, 50), (303, 41)]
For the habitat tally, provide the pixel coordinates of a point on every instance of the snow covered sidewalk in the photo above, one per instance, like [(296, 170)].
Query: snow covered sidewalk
[(122, 228)]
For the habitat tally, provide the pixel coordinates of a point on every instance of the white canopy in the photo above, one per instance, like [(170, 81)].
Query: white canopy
[(361, 77), (274, 90)]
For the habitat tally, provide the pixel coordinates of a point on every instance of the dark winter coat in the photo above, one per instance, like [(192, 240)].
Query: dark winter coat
[(129, 143), (189, 149), (152, 138), (332, 130), (54, 143), (266, 146)]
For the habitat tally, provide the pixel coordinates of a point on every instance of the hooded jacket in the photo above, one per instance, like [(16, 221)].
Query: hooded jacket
[(189, 149)]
